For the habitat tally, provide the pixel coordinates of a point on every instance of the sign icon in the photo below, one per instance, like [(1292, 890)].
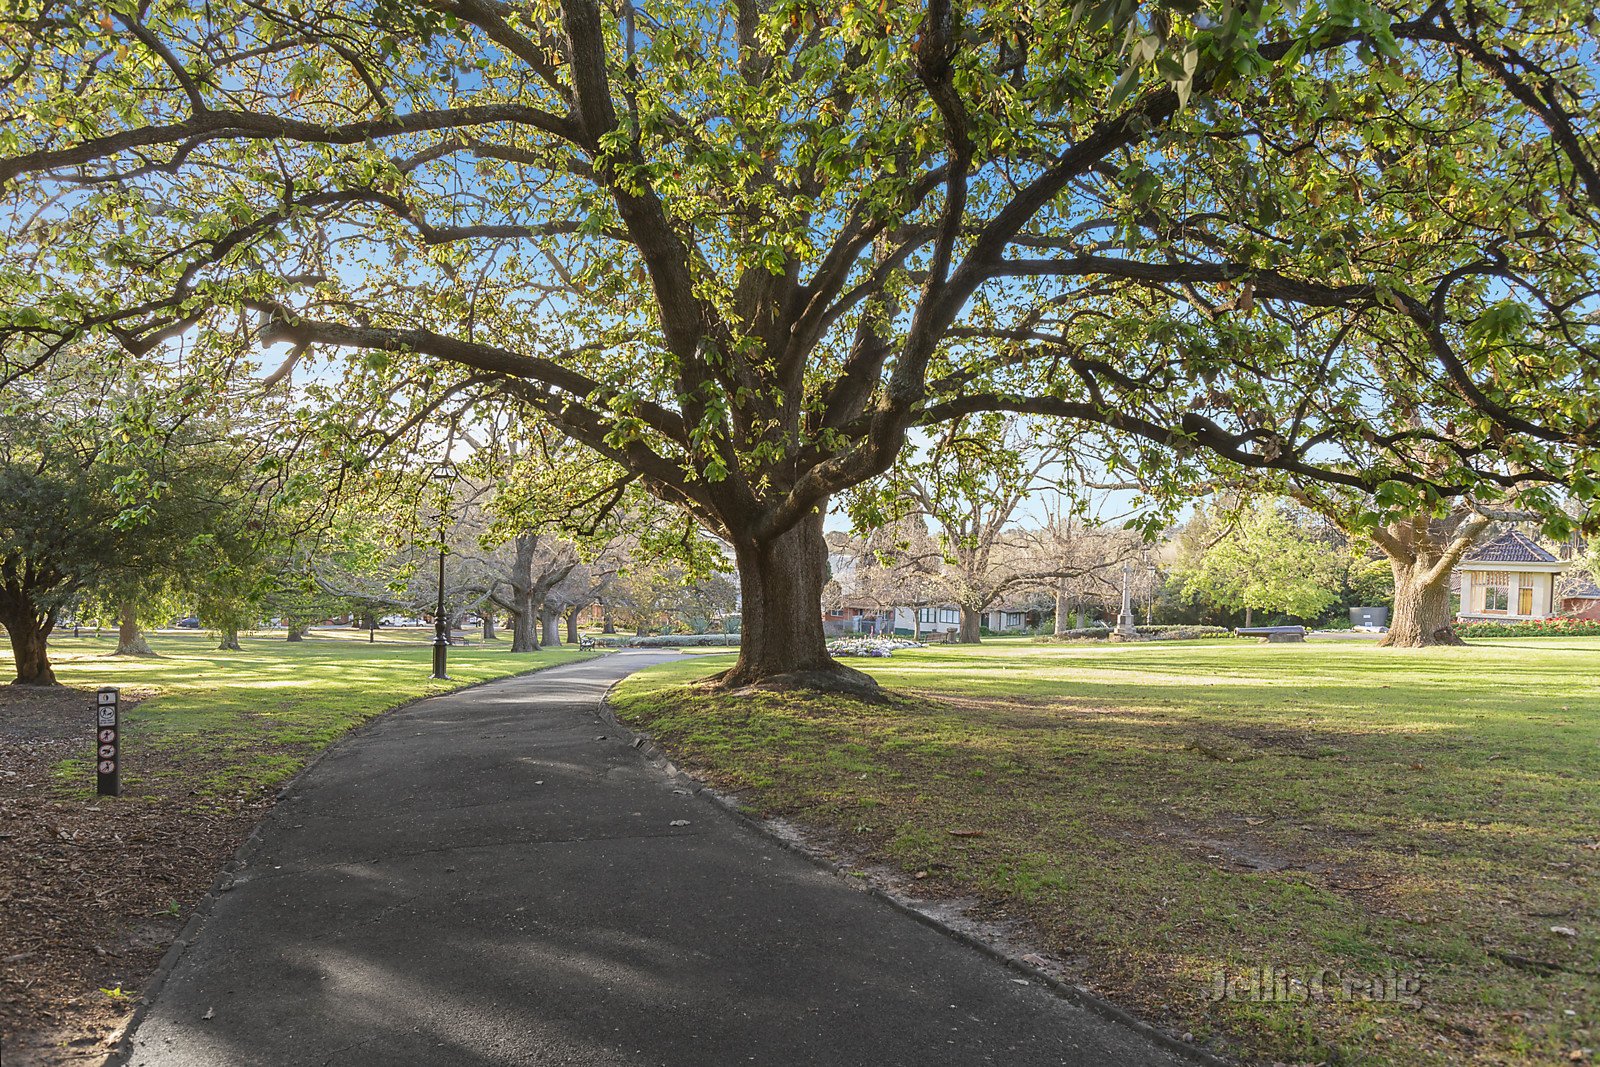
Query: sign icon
[(107, 776)]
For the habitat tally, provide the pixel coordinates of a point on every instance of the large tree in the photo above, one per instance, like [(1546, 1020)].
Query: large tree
[(103, 491), (743, 248)]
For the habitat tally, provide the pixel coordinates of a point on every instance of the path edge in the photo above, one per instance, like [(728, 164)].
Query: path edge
[(652, 752), (122, 1049)]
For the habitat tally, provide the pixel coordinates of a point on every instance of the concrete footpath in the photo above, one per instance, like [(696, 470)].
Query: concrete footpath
[(483, 878)]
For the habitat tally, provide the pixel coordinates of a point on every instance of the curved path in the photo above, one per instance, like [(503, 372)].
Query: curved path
[(481, 878)]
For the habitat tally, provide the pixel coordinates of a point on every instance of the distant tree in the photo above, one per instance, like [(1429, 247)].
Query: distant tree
[(1260, 559), (969, 484), (1087, 559), (292, 594), (534, 564), (99, 490)]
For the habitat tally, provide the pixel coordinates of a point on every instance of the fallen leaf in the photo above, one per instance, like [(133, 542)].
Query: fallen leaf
[(211, 1013), (679, 822), (1564, 931), (1253, 822), (966, 833)]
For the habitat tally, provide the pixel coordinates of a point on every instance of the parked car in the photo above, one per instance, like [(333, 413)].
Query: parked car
[(190, 623), (401, 620)]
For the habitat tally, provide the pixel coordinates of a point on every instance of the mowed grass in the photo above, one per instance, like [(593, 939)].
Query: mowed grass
[(215, 723), (1164, 813)]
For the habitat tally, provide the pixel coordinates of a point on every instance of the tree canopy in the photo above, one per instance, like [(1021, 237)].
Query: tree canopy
[(744, 248)]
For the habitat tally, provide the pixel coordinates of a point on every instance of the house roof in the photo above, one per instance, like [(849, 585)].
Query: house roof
[(1581, 589), (1511, 547)]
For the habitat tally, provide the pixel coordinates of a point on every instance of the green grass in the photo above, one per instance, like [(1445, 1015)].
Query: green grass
[(224, 723), (1162, 812)]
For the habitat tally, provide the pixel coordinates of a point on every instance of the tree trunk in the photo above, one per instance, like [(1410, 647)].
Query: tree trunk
[(1422, 553), (971, 625), (1422, 615), (1061, 607), (488, 627), (781, 641), (130, 639), (230, 640), (296, 629), (524, 602), (29, 630), (572, 624), (1247, 618), (608, 625), (525, 626), (552, 631)]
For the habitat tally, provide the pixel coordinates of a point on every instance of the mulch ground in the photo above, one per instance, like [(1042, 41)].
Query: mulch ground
[(93, 890)]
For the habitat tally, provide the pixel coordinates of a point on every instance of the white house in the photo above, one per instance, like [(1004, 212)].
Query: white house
[(1509, 577)]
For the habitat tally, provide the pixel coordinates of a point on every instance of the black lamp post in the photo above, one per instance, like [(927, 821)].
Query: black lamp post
[(1150, 604), (443, 473)]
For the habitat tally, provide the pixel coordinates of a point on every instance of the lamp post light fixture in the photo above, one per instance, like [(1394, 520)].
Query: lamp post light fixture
[(1150, 605), (444, 473)]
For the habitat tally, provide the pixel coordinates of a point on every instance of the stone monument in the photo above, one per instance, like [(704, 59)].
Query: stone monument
[(1124, 630)]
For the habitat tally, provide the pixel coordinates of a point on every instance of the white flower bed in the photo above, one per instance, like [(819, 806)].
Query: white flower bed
[(869, 646)]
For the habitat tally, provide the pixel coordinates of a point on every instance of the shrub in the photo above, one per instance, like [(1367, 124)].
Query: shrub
[(1181, 632), (1542, 628), (1086, 633), (1177, 632), (684, 641)]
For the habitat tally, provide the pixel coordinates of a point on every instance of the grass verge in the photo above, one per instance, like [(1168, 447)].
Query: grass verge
[(1165, 814)]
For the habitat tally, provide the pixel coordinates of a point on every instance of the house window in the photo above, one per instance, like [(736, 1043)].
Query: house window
[(1013, 619), (949, 614), (1525, 597), (1496, 591)]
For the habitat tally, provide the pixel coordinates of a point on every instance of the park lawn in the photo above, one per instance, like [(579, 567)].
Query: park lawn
[(1163, 813), (225, 722), (93, 890)]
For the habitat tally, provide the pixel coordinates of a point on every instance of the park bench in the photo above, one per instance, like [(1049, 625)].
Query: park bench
[(1273, 633), (585, 643)]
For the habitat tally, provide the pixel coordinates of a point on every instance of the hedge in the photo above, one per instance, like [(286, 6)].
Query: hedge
[(684, 641), (1543, 628), (1175, 632)]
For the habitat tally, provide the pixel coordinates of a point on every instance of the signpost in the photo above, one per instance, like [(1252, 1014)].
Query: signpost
[(107, 742)]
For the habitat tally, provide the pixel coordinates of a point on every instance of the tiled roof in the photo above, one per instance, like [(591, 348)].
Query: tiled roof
[(1510, 547), (1581, 589)]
